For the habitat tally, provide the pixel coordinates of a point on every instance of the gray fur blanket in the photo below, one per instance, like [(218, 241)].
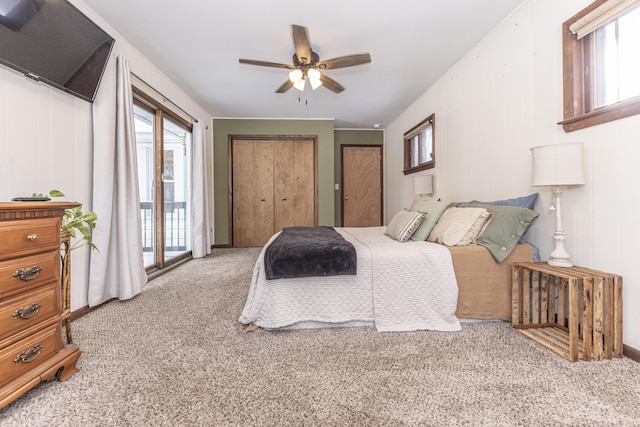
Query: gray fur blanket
[(309, 251)]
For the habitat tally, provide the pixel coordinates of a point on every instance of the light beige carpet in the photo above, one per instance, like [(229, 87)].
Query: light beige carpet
[(177, 356)]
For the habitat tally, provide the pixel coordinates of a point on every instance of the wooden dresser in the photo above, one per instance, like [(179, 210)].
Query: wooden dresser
[(31, 345)]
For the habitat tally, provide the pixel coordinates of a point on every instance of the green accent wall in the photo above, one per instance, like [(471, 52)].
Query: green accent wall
[(350, 137), (223, 128)]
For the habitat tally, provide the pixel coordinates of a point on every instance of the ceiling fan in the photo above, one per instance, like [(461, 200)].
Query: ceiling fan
[(307, 64)]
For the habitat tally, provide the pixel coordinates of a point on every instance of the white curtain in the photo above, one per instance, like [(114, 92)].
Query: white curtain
[(117, 268), (201, 239)]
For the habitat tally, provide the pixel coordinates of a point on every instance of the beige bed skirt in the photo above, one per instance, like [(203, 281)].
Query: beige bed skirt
[(484, 286)]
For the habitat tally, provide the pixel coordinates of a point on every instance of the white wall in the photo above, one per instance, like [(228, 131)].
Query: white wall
[(502, 99), (46, 139)]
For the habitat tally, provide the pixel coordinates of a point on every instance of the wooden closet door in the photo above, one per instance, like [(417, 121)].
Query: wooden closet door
[(294, 183), (253, 208)]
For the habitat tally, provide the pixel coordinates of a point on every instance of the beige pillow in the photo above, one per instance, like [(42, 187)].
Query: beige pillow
[(459, 226), (403, 224), (476, 229)]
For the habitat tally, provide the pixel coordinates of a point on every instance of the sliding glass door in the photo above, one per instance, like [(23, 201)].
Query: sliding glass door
[(164, 171)]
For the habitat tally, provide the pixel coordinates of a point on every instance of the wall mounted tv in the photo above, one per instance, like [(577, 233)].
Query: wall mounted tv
[(53, 42)]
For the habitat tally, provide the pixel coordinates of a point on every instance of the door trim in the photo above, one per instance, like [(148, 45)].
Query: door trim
[(232, 138), (380, 147)]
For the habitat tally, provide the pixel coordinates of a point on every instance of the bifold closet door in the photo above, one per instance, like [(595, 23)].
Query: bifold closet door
[(253, 210), (294, 181), (273, 186)]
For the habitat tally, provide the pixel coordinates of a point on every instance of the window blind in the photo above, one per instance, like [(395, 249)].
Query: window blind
[(603, 14)]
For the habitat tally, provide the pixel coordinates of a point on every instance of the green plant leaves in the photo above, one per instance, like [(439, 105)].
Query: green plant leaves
[(75, 221), (52, 193)]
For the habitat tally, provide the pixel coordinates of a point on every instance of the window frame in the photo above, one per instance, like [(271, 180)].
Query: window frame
[(579, 81), (408, 136)]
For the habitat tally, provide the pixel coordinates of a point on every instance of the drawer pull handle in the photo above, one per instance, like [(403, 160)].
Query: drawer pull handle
[(33, 237), (28, 274), (27, 312), (29, 355)]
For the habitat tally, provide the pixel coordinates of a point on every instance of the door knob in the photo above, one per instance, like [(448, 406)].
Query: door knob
[(346, 197)]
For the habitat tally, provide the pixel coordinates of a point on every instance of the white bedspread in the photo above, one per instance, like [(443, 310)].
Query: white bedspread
[(399, 286)]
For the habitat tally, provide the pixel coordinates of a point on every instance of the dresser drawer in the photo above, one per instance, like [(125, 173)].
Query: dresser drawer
[(20, 275), (22, 237), (20, 312), (28, 353)]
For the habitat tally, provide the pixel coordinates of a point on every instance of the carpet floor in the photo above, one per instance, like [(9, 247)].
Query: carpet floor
[(176, 355)]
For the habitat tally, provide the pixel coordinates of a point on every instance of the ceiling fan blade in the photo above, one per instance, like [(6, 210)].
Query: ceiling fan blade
[(266, 64), (285, 86), (331, 84), (345, 61), (302, 43)]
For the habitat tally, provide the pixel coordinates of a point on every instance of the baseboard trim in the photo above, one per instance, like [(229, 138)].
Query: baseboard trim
[(631, 352), (82, 311)]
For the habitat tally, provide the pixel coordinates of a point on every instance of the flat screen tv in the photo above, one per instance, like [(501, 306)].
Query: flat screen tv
[(53, 42)]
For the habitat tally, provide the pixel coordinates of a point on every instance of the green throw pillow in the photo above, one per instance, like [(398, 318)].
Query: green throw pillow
[(505, 228), (432, 209)]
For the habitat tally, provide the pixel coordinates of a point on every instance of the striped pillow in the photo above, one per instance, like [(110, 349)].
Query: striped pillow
[(403, 224)]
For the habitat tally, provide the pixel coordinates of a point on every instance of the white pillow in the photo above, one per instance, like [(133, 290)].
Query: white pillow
[(459, 226), (403, 224)]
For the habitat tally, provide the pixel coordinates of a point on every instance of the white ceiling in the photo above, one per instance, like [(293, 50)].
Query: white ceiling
[(197, 43)]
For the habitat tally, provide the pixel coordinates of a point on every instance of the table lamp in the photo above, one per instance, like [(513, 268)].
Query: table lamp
[(558, 165)]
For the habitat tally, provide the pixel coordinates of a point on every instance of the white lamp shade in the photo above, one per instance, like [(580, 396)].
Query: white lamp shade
[(299, 84), (295, 75), (557, 164), (423, 184), (314, 78)]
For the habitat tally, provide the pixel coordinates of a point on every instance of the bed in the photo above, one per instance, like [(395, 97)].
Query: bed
[(399, 286)]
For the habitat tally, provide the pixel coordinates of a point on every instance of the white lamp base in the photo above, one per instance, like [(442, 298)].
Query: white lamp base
[(559, 257), (559, 263)]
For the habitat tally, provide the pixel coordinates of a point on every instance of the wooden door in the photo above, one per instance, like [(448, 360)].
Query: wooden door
[(361, 186), (273, 186)]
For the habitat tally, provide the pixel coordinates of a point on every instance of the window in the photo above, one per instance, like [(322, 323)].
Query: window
[(601, 64), (163, 138), (617, 60), (419, 146)]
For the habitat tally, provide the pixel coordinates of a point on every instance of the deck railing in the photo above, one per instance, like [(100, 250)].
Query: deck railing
[(175, 226)]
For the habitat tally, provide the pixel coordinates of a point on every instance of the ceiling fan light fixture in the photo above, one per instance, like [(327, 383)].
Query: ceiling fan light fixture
[(295, 76), (307, 64), (314, 78)]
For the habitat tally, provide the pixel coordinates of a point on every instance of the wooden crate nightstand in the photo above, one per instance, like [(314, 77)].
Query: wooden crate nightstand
[(575, 312)]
